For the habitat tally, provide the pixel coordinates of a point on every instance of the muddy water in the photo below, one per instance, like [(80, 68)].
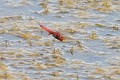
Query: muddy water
[(90, 51)]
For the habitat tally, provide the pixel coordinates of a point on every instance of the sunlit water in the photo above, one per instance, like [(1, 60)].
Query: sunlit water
[(90, 51)]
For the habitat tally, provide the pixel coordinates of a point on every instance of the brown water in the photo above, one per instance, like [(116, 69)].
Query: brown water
[(90, 51)]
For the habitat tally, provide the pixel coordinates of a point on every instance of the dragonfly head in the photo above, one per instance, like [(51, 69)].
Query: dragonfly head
[(61, 38)]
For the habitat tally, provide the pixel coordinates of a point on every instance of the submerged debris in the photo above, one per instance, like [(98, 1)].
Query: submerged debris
[(55, 74), (105, 7), (39, 66), (93, 35), (8, 18)]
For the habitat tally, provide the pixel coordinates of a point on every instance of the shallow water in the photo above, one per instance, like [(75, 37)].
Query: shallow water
[(90, 51)]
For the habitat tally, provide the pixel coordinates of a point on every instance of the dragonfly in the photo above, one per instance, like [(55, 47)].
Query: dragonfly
[(55, 34)]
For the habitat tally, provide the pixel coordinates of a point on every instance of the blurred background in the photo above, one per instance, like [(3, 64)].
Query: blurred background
[(90, 51)]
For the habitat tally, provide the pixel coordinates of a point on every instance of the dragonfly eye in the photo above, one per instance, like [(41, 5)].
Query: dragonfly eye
[(61, 38)]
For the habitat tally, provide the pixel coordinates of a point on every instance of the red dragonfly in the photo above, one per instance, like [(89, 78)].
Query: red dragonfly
[(55, 34)]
